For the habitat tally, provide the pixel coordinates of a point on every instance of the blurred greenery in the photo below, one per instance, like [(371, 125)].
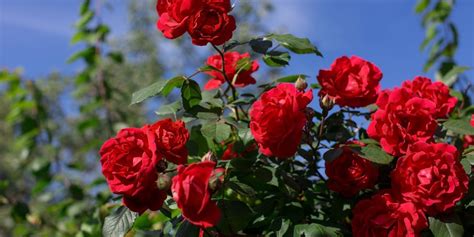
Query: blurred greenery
[(52, 127)]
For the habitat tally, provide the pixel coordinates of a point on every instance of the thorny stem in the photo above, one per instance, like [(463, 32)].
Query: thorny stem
[(234, 91), (319, 137)]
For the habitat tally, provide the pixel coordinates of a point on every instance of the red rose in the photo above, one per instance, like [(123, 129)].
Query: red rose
[(352, 82), (206, 21), (231, 58), (402, 119), (469, 139), (128, 164), (171, 138), (431, 176), (230, 154), (382, 215), (192, 193), (436, 92), (277, 120), (349, 173)]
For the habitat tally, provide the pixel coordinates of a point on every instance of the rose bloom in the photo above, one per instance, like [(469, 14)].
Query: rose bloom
[(192, 193), (206, 21), (231, 59), (352, 82), (128, 164), (171, 138), (402, 119), (431, 176), (437, 92), (277, 120), (383, 215), (349, 173)]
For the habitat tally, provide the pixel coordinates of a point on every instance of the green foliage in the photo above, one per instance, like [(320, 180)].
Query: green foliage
[(295, 44), (374, 153), (459, 126), (450, 227), (119, 222)]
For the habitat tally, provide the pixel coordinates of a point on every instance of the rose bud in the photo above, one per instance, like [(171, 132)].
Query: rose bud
[(209, 156), (327, 102), (163, 182), (301, 84)]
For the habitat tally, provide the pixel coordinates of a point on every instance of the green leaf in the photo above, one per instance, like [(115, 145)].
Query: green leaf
[(245, 135), (277, 59), (446, 228), (237, 214), (451, 77), (85, 18), (470, 159), (162, 86), (87, 54), (242, 189), (172, 83), (243, 64), (260, 45), (315, 230), (187, 229), (295, 44), (421, 5), (147, 92), (332, 154), (466, 164), (374, 153), (169, 109), (216, 130), (119, 222), (207, 116), (291, 78), (459, 126), (430, 35), (285, 225), (190, 94)]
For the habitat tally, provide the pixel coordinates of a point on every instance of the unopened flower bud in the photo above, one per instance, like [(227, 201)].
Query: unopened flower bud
[(215, 182), (209, 156), (163, 182), (301, 84), (327, 102)]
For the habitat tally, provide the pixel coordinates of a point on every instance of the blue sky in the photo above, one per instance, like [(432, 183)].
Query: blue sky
[(35, 34)]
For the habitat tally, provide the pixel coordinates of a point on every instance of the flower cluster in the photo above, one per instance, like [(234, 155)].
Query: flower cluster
[(408, 114), (428, 178), (206, 21)]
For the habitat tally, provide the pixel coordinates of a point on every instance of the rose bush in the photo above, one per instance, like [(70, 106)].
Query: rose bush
[(265, 160)]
